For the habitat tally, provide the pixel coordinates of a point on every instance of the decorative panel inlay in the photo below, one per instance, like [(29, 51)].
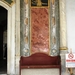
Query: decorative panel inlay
[(39, 30), (39, 27)]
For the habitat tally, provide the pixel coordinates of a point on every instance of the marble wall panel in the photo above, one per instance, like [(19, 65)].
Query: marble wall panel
[(39, 30)]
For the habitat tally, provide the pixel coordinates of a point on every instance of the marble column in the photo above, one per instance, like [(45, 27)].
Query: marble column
[(63, 34), (17, 45), (24, 28), (54, 27)]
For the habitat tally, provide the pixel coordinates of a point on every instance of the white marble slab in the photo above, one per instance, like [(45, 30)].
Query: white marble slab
[(40, 72)]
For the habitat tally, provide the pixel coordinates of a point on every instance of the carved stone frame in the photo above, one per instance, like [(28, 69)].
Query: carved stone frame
[(10, 37)]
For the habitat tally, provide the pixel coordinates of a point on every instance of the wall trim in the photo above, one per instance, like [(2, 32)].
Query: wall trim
[(63, 48), (10, 37)]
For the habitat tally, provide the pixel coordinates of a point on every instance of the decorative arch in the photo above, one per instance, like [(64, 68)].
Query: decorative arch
[(10, 37), (3, 4), (9, 3)]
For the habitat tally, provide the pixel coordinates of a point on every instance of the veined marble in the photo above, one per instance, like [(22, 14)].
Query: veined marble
[(39, 30)]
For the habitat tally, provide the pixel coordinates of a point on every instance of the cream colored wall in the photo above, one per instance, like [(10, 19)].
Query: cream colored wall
[(69, 29), (70, 15)]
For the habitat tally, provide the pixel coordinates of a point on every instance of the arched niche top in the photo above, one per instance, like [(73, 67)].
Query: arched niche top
[(5, 5)]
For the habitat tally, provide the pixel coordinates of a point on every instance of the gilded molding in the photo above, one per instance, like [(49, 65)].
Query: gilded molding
[(63, 48), (13, 2), (63, 38), (26, 1)]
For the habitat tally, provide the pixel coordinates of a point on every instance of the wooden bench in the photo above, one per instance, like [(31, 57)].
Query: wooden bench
[(40, 60)]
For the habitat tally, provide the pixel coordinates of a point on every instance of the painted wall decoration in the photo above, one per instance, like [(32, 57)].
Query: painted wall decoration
[(39, 3)]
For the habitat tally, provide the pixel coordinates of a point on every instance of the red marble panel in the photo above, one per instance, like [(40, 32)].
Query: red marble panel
[(39, 30)]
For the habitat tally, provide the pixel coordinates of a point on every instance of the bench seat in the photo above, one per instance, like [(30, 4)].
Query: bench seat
[(40, 60)]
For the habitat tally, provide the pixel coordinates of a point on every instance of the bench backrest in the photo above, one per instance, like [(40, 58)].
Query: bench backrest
[(40, 59)]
